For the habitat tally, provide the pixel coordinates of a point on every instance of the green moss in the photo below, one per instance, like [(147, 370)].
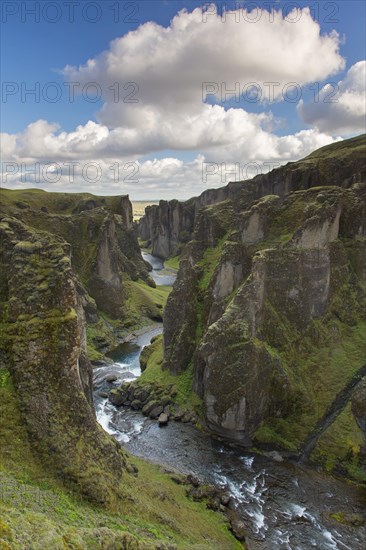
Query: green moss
[(15, 452), (158, 376), (317, 372), (209, 263), (145, 301), (172, 263), (341, 446), (267, 434), (346, 518)]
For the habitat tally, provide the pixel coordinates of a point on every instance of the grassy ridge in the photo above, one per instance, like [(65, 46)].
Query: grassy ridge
[(37, 512)]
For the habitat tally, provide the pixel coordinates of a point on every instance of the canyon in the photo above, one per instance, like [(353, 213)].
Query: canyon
[(262, 345)]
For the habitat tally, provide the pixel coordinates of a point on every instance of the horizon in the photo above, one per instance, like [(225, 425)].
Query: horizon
[(167, 100), (150, 201)]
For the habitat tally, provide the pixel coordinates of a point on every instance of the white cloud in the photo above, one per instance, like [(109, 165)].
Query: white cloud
[(158, 178), (341, 108), (169, 66)]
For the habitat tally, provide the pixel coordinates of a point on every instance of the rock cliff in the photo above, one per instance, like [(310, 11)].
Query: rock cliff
[(269, 307), (66, 262), (168, 226), (44, 343)]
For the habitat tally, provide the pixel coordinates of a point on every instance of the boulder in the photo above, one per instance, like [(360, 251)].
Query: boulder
[(165, 400), (156, 412), (178, 415), (238, 528), (193, 480), (141, 394), (163, 419), (225, 499), (146, 410), (116, 397)]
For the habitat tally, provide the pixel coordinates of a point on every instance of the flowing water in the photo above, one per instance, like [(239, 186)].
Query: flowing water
[(161, 275), (284, 505)]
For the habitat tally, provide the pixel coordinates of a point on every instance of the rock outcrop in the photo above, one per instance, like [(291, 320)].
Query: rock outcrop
[(104, 248), (167, 227), (269, 296), (44, 343)]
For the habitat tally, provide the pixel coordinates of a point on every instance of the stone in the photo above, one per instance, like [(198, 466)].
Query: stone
[(116, 398), (276, 456), (166, 400), (193, 480), (146, 410), (213, 503), (163, 419), (225, 499), (110, 378), (238, 528), (142, 395), (178, 415), (156, 411), (179, 480), (103, 394), (167, 411), (136, 404)]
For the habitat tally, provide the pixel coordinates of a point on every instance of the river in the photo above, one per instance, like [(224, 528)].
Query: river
[(285, 506)]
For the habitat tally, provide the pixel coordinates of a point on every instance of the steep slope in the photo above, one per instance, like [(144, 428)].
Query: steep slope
[(169, 225), (112, 278), (45, 349), (100, 231), (64, 482), (269, 309)]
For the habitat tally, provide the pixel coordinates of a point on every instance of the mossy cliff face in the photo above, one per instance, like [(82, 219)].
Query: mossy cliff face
[(167, 227), (65, 482), (44, 344), (271, 297), (100, 231), (67, 265)]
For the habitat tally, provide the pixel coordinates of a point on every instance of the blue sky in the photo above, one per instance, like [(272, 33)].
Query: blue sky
[(34, 53)]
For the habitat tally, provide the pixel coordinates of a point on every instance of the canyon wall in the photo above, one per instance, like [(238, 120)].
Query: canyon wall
[(65, 261), (269, 310), (167, 227)]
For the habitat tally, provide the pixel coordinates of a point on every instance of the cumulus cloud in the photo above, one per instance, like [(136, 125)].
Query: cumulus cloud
[(164, 109), (154, 178), (340, 109)]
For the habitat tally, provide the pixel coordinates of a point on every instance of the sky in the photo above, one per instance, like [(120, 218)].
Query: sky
[(164, 99)]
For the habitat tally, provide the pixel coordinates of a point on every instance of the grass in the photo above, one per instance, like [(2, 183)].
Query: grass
[(155, 374), (172, 263), (318, 373), (146, 301), (38, 512), (341, 444), (61, 203)]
